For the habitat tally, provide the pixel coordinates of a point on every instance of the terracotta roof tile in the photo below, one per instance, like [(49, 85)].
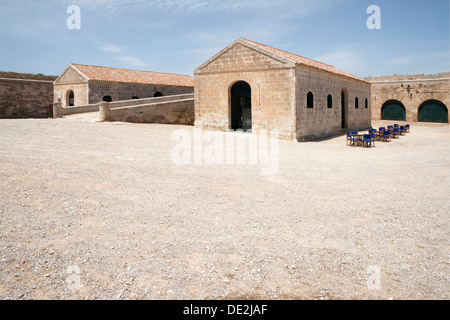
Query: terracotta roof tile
[(108, 74), (302, 60)]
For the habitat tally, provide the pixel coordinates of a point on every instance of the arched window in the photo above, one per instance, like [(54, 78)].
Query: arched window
[(70, 98), (356, 103), (158, 94), (135, 97), (107, 98), (367, 103), (310, 100), (329, 101)]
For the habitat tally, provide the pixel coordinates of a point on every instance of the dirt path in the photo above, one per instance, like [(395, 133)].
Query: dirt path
[(92, 210)]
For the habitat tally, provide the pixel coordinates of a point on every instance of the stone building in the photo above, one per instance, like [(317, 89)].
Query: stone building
[(411, 97), (83, 84), (249, 85)]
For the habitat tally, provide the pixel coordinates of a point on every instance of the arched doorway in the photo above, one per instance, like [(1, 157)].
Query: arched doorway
[(241, 106), (107, 99), (393, 110), (158, 94), (433, 111), (70, 98), (344, 109)]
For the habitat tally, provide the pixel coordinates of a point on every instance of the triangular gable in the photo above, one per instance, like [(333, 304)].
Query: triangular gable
[(71, 75), (265, 58), (284, 57)]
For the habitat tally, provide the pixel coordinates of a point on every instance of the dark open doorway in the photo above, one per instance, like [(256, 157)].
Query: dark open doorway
[(344, 109), (70, 99), (241, 106)]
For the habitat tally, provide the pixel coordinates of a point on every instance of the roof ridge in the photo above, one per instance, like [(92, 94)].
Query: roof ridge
[(302, 60), (122, 75), (91, 65), (265, 45)]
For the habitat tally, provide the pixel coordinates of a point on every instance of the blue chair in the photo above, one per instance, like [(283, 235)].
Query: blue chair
[(381, 129), (390, 127), (349, 139), (367, 142), (373, 137), (402, 130), (395, 132), (386, 135), (407, 128)]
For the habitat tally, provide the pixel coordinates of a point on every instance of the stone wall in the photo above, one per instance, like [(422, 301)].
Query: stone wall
[(80, 90), (21, 98), (177, 110), (126, 91), (409, 90), (321, 121)]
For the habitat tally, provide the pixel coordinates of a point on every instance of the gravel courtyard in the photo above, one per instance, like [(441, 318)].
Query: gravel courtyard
[(92, 210)]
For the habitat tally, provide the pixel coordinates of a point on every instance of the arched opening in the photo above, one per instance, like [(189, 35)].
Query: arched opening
[(241, 106), (329, 101), (310, 100), (366, 104), (134, 97), (344, 108), (158, 94), (70, 98), (107, 99), (433, 111), (356, 103), (393, 110)]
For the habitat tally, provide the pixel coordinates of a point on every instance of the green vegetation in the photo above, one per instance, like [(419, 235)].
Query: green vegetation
[(16, 75)]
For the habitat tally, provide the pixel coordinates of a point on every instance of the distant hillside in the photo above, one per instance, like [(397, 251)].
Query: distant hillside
[(16, 75)]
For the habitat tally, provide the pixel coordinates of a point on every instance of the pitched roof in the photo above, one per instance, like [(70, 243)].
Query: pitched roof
[(291, 57), (107, 74), (302, 60)]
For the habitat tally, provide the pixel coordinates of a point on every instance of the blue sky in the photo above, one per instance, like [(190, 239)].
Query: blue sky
[(177, 36)]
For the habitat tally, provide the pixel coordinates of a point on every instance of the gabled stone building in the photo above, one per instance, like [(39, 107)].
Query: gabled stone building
[(249, 85), (83, 84)]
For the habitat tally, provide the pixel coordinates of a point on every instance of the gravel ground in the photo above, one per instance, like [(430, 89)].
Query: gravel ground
[(93, 210)]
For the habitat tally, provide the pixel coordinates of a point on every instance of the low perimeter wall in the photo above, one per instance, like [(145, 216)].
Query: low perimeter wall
[(178, 110), (22, 98), (59, 111), (174, 109)]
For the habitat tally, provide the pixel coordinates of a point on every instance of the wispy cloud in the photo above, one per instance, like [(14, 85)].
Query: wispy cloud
[(108, 47), (186, 7), (133, 61), (344, 59)]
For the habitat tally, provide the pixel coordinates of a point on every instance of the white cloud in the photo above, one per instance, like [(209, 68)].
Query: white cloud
[(343, 59), (108, 47), (133, 61)]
